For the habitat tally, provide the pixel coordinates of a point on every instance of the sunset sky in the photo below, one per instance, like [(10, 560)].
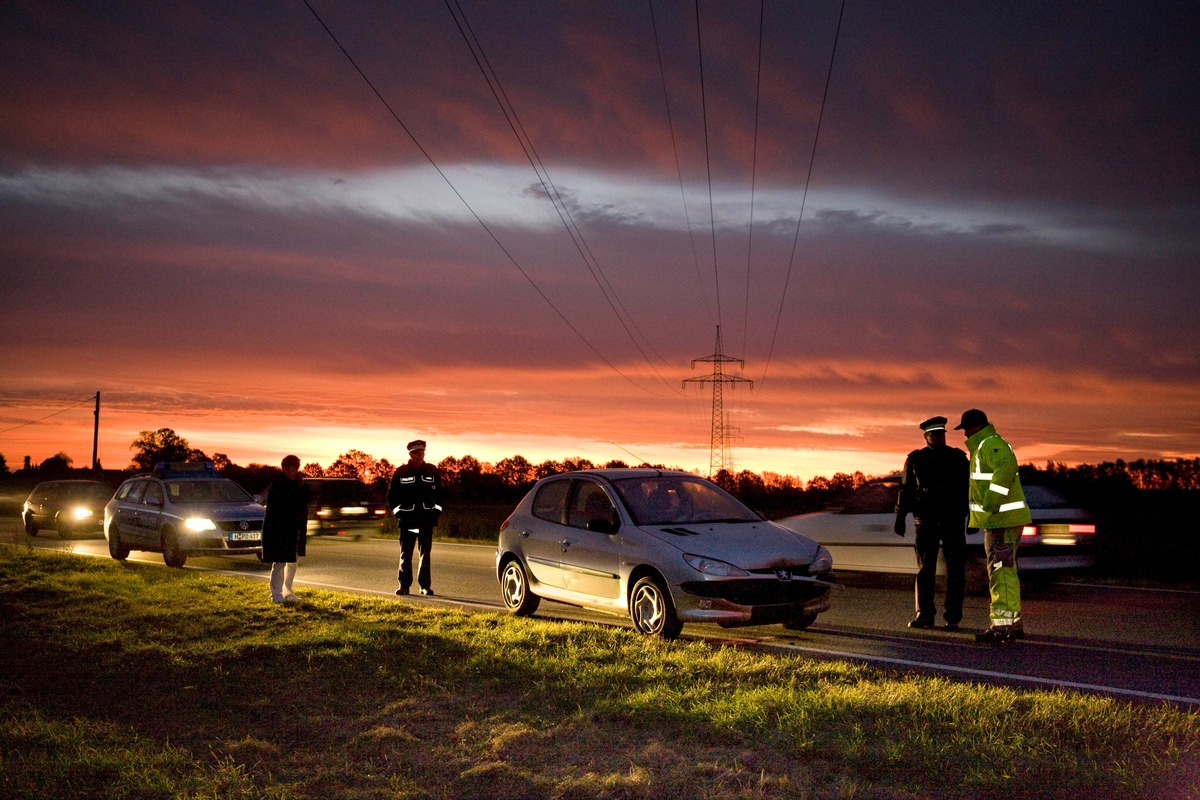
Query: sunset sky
[(208, 215)]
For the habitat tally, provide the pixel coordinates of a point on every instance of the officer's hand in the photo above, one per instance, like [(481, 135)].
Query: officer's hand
[(899, 526)]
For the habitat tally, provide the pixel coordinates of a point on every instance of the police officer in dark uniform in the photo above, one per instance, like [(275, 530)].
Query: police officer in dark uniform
[(415, 498), (934, 490)]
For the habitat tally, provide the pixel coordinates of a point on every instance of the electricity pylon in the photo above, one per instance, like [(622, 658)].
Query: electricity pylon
[(718, 443)]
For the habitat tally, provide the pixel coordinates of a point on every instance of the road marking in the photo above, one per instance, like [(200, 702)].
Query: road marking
[(984, 673)]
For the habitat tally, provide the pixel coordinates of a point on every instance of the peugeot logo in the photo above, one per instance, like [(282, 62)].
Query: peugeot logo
[(783, 574), (243, 525)]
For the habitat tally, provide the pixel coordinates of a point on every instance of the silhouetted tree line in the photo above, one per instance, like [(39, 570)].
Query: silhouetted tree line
[(468, 479)]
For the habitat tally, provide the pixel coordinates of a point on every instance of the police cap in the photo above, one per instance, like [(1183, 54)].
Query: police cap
[(934, 424), (418, 444)]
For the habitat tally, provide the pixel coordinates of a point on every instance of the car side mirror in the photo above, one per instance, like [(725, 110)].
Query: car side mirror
[(600, 525)]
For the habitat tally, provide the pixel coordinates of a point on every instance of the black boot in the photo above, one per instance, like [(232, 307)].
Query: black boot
[(995, 635)]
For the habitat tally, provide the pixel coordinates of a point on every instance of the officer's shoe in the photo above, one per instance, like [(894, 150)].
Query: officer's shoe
[(995, 635), (427, 592), (921, 622), (402, 590)]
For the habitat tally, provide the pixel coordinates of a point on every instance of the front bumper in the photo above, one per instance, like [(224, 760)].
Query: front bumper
[(753, 601)]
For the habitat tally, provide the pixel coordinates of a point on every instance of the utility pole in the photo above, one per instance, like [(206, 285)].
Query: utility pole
[(718, 444), (96, 438)]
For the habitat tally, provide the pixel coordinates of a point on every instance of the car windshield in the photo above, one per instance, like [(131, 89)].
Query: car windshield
[(206, 491), (1042, 497), (679, 500), (87, 491)]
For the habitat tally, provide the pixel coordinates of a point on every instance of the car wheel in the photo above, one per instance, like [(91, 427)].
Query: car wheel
[(172, 554), (116, 548), (31, 527), (801, 622), (514, 589), (652, 611)]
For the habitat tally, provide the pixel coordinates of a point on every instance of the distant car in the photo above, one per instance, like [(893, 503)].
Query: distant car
[(344, 507), (663, 547), (858, 533), (183, 510), (68, 507)]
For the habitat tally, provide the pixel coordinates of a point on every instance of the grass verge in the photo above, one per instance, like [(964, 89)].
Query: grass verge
[(135, 681)]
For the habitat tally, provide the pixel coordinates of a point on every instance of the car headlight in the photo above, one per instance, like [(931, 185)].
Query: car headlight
[(822, 563), (200, 524), (713, 567), (81, 513)]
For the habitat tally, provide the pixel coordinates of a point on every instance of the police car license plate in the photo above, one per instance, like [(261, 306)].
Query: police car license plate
[(243, 536)]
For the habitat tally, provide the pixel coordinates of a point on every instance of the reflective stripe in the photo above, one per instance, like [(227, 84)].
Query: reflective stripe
[(982, 476), (1011, 506), (998, 489), (976, 507)]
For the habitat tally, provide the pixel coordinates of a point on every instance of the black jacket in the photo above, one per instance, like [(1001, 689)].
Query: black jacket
[(285, 528), (934, 485), (415, 495)]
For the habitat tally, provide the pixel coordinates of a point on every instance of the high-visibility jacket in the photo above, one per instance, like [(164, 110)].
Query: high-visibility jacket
[(996, 499)]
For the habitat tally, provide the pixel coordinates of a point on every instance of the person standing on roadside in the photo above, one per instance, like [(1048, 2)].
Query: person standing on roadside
[(415, 498), (285, 528), (997, 506), (934, 490)]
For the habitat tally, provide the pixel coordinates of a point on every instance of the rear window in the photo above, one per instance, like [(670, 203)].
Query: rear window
[(550, 501), (343, 493)]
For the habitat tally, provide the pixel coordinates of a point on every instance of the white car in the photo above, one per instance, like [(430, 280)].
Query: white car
[(859, 534), (661, 546)]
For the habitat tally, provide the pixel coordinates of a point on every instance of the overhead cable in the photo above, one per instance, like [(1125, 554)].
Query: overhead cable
[(548, 186), (804, 199), (472, 211)]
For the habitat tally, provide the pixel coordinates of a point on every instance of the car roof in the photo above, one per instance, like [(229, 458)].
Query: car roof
[(622, 472)]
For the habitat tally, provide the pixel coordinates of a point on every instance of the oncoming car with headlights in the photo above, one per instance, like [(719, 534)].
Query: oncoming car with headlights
[(183, 510), (661, 546), (69, 507)]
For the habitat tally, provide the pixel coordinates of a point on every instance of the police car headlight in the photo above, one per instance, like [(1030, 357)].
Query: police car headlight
[(200, 524), (81, 513), (714, 568)]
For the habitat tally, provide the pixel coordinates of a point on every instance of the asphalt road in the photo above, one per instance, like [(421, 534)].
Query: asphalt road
[(1141, 645)]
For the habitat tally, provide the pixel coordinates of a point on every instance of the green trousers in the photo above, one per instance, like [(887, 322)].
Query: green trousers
[(1000, 547)]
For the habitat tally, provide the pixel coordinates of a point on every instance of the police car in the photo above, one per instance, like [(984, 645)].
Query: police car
[(183, 510)]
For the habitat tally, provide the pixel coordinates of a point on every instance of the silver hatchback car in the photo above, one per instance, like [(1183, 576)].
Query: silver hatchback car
[(181, 510), (663, 547)]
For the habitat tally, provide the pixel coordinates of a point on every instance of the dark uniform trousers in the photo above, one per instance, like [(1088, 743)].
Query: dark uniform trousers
[(950, 536), (420, 535)]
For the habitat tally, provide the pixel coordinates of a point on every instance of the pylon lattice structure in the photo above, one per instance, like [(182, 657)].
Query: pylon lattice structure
[(719, 457)]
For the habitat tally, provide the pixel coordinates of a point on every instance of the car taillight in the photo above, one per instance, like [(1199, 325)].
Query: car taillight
[(1081, 528), (504, 525), (1029, 530), (323, 512)]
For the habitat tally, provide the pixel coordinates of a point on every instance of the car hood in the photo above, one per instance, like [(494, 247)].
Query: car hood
[(749, 545), (247, 510)]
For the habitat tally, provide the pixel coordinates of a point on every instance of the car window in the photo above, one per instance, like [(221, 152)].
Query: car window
[(1042, 497), (343, 493), (551, 501), (590, 503), (872, 498), (132, 492), (153, 495), (677, 500), (206, 491)]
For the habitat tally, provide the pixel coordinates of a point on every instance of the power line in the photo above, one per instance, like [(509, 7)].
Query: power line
[(762, 12), (548, 186), (712, 221), (675, 151), (804, 199), (462, 199), (48, 416)]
